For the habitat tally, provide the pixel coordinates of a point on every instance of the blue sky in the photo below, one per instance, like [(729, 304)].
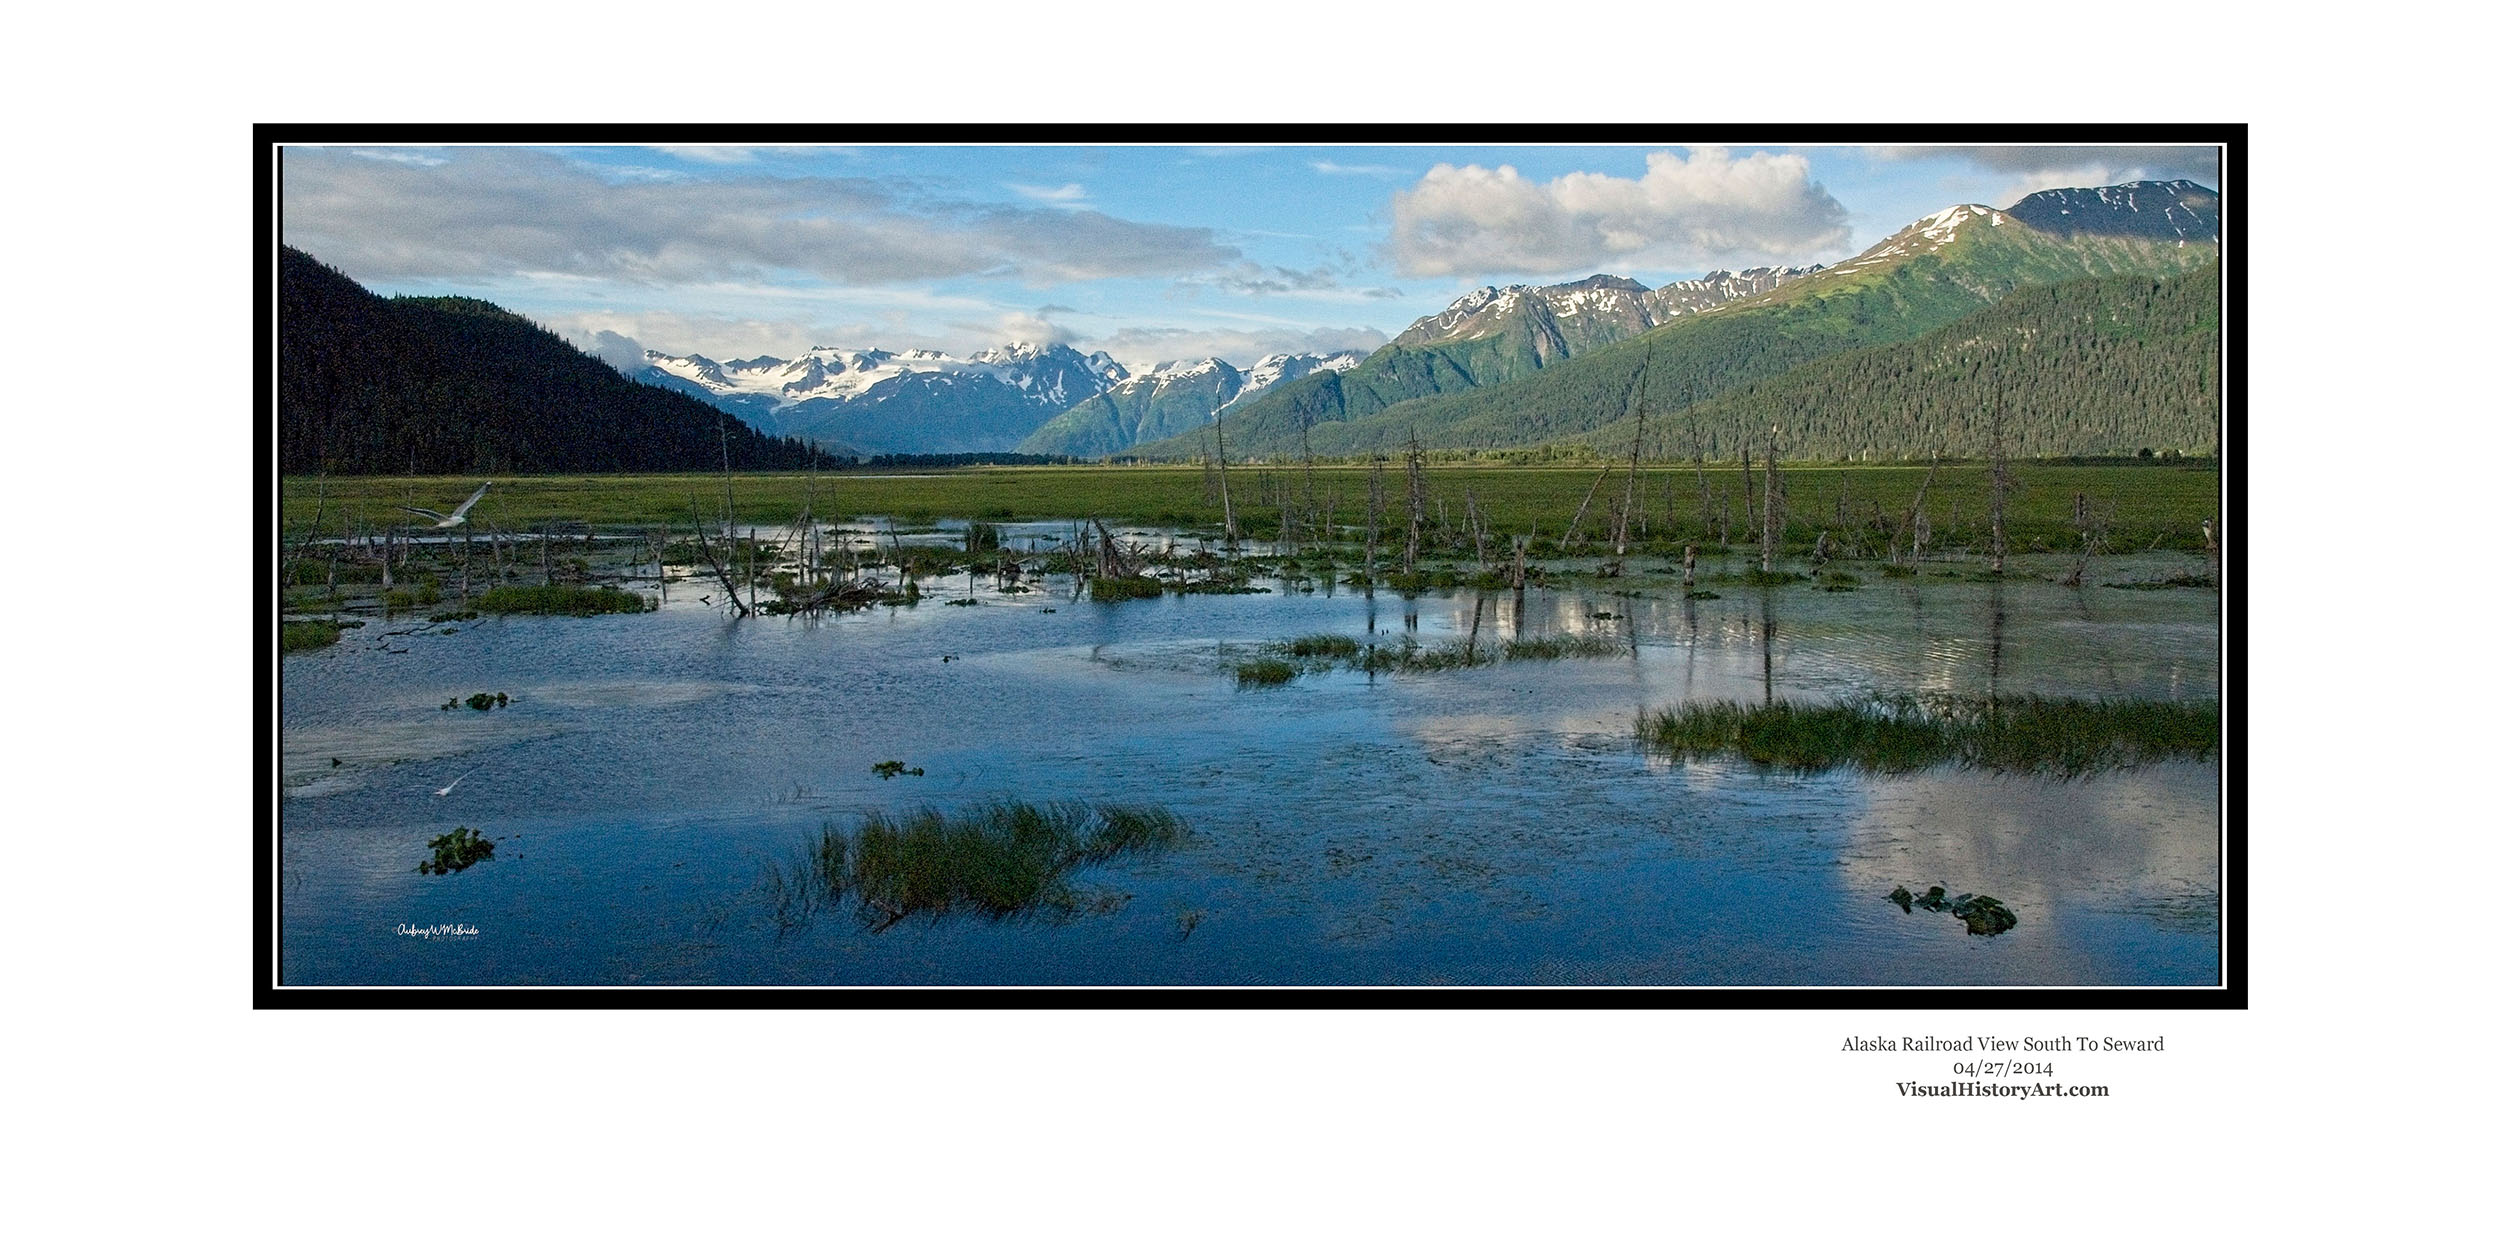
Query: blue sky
[(1151, 253)]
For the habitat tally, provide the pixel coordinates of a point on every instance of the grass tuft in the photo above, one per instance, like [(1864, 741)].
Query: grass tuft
[(561, 601), (997, 860), (2060, 737), (296, 636)]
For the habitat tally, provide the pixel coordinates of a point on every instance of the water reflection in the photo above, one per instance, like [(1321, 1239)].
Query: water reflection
[(1487, 825)]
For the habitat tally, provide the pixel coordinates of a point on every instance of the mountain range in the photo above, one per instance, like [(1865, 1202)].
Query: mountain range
[(1170, 399), (888, 401), (1937, 270), (2108, 276)]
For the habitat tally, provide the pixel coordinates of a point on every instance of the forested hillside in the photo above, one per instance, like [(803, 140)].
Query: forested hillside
[(2099, 366), (453, 385)]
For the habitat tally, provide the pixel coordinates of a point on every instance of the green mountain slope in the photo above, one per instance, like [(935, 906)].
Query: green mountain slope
[(2095, 366), (1937, 270), (453, 385)]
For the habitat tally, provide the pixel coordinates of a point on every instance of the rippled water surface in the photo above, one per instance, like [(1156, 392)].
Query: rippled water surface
[(1488, 826)]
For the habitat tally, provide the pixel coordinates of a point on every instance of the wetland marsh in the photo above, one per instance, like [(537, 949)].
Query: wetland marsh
[(1339, 784)]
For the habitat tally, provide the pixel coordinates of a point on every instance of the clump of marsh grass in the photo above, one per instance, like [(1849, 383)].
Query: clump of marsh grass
[(1567, 647), (1118, 589), (998, 860), (298, 636), (1264, 671), (456, 851), (1319, 653), (1330, 646), (561, 601), (2060, 737)]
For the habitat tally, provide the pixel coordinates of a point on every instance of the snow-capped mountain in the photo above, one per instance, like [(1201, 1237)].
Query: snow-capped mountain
[(1279, 368), (1170, 398), (1572, 317), (2178, 210), (896, 401)]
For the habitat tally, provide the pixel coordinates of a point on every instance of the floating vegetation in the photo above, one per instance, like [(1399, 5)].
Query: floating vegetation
[(439, 618), (1566, 647), (1776, 577), (1118, 589), (561, 600), (1335, 646), (456, 851), (295, 636), (1978, 913), (1834, 579), (481, 702), (1281, 662), (2184, 581), (1265, 671), (1900, 570), (2060, 737), (963, 603), (1701, 594), (891, 769), (998, 860)]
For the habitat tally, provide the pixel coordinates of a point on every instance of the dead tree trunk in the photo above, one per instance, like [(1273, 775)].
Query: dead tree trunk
[(1414, 502), (1371, 526), (1774, 518), (1224, 483), (1744, 460), (1475, 524), (728, 584), (1999, 484), (1572, 534), (1915, 520)]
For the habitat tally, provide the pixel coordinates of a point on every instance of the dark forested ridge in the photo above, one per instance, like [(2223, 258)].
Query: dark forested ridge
[(2093, 367), (454, 385)]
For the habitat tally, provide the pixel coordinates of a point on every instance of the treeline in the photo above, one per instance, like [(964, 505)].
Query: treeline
[(452, 385), (951, 459), (2097, 367)]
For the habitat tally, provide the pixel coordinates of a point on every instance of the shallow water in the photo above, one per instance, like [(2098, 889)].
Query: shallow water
[(1488, 826)]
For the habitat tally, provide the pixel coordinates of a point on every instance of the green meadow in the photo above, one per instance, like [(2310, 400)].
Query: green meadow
[(2134, 507)]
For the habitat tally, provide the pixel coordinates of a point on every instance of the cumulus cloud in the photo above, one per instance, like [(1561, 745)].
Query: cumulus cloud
[(1707, 209), (487, 212), (609, 334), (2043, 168), (619, 352), (1014, 327), (1139, 347)]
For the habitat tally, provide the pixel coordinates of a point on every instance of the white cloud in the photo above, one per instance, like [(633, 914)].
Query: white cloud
[(401, 156), (608, 333), (619, 352), (1139, 347), (1703, 210), (488, 212), (1072, 193), (1375, 171), (2043, 168)]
